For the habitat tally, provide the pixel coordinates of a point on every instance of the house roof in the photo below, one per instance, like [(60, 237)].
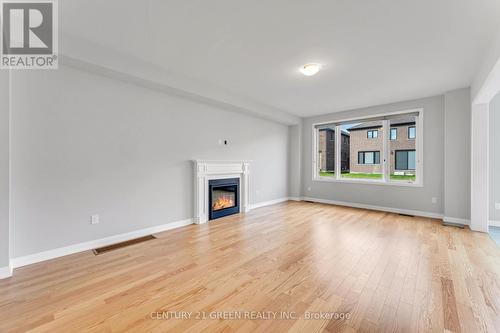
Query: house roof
[(378, 124)]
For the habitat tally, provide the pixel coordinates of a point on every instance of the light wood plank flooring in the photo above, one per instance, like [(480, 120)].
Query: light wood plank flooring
[(390, 273)]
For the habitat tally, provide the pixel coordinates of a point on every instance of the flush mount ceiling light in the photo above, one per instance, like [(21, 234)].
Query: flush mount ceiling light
[(310, 69)]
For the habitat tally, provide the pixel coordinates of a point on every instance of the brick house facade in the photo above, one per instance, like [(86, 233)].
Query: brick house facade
[(402, 143), (366, 145), (326, 151), (360, 143)]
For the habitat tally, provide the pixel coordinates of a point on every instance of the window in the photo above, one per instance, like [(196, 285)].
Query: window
[(394, 133), (372, 134), (412, 132), (387, 160), (369, 157), (405, 160)]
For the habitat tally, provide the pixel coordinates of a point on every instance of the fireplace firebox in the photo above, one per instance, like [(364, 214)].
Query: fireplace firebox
[(223, 197)]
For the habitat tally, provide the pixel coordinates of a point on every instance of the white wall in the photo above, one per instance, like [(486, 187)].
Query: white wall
[(494, 158), (457, 150), (83, 144), (410, 198), (4, 169)]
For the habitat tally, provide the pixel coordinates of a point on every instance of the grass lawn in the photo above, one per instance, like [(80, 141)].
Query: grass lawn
[(366, 176), (362, 175), (405, 177)]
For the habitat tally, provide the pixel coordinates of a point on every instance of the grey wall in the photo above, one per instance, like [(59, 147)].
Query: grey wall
[(294, 158), (83, 144), (414, 198), (490, 59), (4, 168), (494, 180), (457, 154)]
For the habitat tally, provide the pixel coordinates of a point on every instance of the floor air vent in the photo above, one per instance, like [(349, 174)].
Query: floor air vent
[(456, 225), (117, 246)]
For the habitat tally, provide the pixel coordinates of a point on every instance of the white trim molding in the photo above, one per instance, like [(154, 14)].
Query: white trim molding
[(493, 223), (420, 213), (205, 170), (5, 272), (455, 220), (80, 247), (268, 203), (480, 167)]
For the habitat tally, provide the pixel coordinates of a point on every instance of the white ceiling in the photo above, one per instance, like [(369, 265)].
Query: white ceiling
[(373, 51)]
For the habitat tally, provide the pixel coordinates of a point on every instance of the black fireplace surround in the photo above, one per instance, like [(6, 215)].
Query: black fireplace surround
[(224, 197)]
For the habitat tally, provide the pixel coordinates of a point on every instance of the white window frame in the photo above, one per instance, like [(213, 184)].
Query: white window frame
[(384, 154)]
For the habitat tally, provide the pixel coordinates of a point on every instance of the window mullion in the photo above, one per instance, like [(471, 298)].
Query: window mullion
[(419, 148), (338, 148), (385, 151), (315, 154)]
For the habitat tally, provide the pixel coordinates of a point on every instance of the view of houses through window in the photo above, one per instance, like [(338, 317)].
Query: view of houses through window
[(363, 145), (402, 150)]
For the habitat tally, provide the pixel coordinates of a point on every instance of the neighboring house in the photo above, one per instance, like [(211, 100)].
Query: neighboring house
[(327, 150), (366, 143)]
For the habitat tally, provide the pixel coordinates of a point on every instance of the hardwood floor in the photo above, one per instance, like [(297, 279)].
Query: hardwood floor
[(387, 272)]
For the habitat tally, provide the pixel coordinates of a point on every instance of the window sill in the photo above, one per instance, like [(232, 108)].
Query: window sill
[(366, 182)]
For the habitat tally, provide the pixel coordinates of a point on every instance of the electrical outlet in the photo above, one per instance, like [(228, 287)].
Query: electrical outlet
[(434, 200), (309, 188), (497, 205), (94, 219)]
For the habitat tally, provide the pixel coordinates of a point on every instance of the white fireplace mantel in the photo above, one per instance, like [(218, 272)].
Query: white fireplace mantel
[(205, 170)]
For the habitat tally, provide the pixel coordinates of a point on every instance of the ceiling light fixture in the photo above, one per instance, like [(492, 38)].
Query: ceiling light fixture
[(310, 69)]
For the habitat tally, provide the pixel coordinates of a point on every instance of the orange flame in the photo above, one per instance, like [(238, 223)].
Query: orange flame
[(224, 201)]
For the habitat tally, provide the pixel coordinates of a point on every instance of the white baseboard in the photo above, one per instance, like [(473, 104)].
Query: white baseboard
[(455, 220), (64, 251), (493, 223), (268, 203), (379, 208), (85, 246), (5, 272)]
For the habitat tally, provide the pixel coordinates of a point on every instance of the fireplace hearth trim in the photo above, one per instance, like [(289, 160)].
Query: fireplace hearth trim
[(205, 170)]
